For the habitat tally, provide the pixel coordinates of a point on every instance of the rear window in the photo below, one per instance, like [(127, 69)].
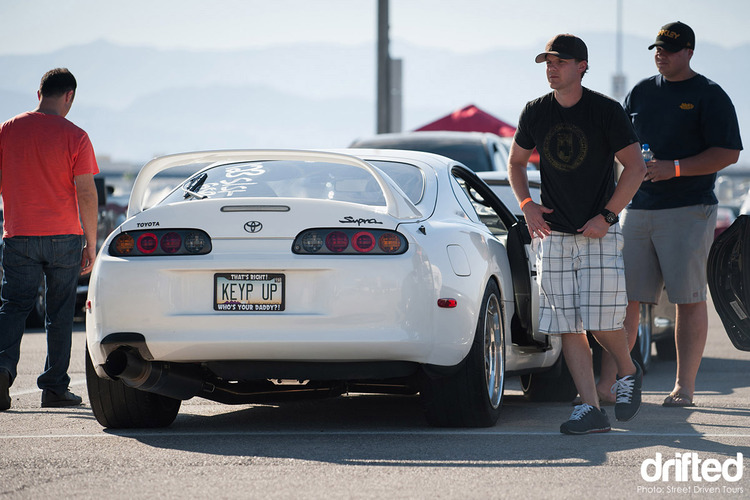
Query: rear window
[(408, 177), (294, 179)]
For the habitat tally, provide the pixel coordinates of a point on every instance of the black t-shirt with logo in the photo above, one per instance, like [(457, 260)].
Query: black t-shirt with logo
[(577, 147), (678, 120)]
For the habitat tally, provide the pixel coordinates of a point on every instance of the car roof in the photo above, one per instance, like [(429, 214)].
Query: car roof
[(393, 154), (444, 136), (534, 176)]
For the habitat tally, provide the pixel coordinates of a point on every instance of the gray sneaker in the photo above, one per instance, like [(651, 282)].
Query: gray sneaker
[(628, 391), (586, 420)]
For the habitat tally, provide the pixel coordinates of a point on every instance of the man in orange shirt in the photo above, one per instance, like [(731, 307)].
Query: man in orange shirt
[(47, 168)]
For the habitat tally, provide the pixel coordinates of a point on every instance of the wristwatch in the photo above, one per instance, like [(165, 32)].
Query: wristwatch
[(609, 216)]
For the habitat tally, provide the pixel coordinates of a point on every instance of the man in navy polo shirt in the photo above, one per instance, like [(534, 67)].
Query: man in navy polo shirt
[(691, 126)]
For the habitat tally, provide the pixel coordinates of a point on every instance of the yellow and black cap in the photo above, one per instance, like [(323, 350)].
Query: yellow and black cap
[(674, 37)]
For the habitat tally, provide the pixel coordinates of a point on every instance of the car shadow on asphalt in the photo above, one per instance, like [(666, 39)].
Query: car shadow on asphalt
[(391, 431)]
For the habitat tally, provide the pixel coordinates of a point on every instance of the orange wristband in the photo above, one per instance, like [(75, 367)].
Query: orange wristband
[(677, 168), (524, 202)]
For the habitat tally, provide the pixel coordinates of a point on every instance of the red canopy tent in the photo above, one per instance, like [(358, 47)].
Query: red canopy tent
[(473, 119)]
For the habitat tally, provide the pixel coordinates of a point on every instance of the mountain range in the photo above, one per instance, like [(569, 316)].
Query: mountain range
[(139, 102)]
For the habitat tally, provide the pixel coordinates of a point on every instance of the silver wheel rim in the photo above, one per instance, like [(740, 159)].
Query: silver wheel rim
[(645, 329), (494, 361)]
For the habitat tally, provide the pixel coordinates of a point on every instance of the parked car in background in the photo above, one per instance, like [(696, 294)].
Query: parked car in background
[(270, 275), (725, 216), (500, 185), (107, 221), (731, 187), (480, 151)]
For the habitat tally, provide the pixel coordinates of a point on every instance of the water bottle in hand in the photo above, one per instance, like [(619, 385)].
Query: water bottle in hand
[(648, 155)]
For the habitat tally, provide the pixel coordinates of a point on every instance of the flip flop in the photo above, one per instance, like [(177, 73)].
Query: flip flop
[(678, 399), (602, 402)]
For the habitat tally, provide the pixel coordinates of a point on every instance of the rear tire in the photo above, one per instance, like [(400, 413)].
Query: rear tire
[(472, 396), (642, 349), (666, 349), (118, 406), (553, 385)]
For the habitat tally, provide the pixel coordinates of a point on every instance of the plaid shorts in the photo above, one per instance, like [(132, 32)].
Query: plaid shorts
[(581, 283)]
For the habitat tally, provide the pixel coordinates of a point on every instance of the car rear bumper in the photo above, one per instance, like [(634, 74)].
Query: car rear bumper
[(385, 310)]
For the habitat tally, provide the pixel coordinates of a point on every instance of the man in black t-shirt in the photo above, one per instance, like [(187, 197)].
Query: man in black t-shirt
[(579, 133), (691, 126)]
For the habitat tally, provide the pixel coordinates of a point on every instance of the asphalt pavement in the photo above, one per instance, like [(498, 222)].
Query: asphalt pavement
[(371, 446)]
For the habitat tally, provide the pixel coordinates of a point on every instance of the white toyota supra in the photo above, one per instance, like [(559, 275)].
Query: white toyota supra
[(269, 275)]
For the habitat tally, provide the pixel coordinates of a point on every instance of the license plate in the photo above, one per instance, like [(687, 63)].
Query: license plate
[(249, 291)]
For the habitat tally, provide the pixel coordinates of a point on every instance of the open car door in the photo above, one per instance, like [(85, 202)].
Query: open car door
[(729, 280), (522, 260)]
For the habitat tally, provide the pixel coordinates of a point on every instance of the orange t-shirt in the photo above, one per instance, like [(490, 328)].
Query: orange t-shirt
[(40, 155)]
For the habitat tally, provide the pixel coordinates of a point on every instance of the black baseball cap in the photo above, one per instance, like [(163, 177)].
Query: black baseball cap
[(674, 37), (565, 47)]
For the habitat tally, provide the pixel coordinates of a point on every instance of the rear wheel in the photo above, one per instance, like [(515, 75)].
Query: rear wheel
[(642, 349), (118, 406), (553, 385), (666, 348), (472, 396)]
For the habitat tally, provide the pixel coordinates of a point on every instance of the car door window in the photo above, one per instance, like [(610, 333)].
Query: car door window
[(500, 157), (477, 208)]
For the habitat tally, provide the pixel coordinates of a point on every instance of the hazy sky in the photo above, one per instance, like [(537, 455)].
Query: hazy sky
[(39, 26)]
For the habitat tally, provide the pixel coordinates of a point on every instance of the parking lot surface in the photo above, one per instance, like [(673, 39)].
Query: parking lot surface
[(370, 446)]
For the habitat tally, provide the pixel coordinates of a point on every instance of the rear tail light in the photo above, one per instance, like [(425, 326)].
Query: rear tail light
[(363, 241), (349, 242), (337, 241), (147, 243), (389, 242), (171, 242), (160, 242)]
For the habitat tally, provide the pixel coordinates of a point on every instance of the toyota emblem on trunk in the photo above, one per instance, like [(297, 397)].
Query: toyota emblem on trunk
[(253, 226)]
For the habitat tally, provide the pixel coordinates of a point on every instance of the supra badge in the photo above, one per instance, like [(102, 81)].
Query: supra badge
[(253, 226)]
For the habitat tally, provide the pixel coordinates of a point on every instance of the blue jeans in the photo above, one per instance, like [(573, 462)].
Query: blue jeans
[(25, 260)]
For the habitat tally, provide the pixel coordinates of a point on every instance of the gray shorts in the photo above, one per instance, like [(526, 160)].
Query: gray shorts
[(668, 247), (581, 283)]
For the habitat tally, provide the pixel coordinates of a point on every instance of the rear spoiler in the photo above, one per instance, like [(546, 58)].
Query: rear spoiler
[(397, 204)]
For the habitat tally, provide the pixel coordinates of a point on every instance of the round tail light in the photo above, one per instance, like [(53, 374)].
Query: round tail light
[(147, 243), (124, 244), (312, 242), (389, 243), (195, 242), (337, 241), (171, 242), (363, 241)]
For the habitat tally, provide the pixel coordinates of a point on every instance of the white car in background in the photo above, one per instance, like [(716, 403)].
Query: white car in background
[(269, 275)]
